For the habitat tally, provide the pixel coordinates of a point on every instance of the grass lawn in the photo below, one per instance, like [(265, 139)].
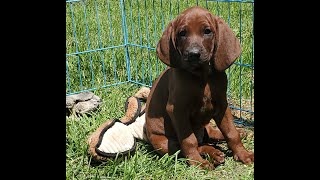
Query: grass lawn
[(96, 57), (145, 164)]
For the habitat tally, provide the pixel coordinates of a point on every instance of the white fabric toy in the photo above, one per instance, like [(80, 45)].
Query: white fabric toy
[(118, 137)]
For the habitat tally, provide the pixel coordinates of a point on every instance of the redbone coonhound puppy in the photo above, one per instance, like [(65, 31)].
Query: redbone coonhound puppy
[(197, 47)]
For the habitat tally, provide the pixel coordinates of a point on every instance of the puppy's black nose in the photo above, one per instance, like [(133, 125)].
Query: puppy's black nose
[(194, 53)]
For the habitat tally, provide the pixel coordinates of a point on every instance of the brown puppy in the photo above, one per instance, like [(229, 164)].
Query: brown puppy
[(198, 47)]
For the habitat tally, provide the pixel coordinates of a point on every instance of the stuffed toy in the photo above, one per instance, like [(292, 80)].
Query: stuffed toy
[(118, 136)]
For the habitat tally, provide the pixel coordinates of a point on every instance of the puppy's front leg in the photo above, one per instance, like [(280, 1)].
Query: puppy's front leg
[(186, 137), (225, 123)]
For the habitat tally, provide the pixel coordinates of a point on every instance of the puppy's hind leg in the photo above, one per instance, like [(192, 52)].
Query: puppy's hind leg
[(163, 145), (215, 135)]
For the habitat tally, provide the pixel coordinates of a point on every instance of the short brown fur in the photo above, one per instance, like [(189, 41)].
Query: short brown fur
[(198, 47)]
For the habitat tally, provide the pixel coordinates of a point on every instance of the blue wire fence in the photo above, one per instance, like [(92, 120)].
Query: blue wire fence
[(112, 42)]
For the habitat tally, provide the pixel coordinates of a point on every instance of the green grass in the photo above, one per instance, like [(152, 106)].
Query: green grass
[(95, 28), (145, 164)]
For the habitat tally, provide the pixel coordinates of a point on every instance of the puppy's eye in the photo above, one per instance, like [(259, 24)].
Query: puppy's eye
[(182, 33), (207, 31)]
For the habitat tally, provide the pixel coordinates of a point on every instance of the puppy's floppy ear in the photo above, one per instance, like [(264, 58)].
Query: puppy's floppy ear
[(227, 45), (166, 49)]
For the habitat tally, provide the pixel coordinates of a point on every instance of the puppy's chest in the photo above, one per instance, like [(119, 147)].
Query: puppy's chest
[(203, 110), (206, 102)]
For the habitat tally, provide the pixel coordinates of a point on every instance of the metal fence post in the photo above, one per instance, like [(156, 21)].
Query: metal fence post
[(125, 37)]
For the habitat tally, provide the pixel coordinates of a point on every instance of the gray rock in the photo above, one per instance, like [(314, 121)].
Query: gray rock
[(84, 96), (82, 103), (70, 101)]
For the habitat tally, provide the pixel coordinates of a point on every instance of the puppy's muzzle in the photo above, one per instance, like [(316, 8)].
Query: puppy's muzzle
[(194, 54)]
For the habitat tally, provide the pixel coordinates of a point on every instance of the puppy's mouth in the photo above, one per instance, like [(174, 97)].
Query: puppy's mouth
[(196, 66), (195, 63)]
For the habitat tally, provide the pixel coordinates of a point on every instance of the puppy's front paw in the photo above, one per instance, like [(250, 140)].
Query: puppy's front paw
[(246, 157), (218, 157)]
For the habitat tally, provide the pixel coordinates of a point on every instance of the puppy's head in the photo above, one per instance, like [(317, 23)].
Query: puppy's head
[(196, 38)]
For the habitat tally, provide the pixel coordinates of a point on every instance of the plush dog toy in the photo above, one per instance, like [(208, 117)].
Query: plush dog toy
[(118, 137)]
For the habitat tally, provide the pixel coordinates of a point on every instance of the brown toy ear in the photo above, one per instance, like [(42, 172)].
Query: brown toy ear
[(132, 110), (227, 45), (93, 141), (166, 49)]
